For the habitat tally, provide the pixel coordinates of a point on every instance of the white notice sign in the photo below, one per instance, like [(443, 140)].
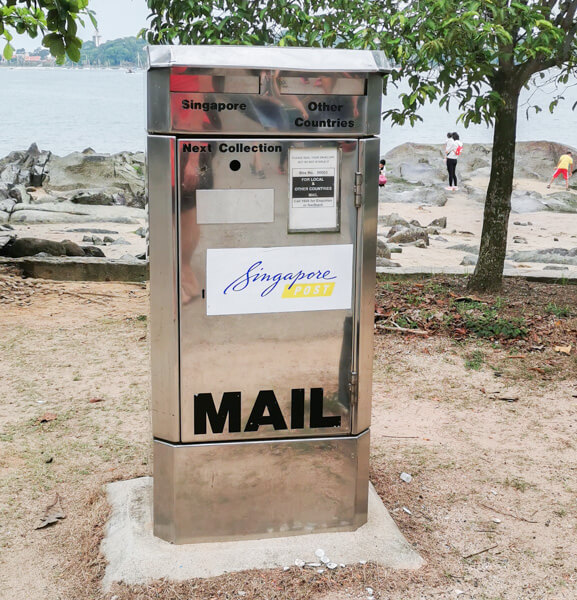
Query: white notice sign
[(243, 281), (313, 189)]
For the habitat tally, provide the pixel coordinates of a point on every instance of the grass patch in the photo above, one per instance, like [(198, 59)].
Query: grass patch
[(475, 360)]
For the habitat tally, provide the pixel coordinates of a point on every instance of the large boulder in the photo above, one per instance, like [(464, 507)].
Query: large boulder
[(19, 247)]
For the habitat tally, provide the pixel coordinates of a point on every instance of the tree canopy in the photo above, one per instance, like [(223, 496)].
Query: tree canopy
[(476, 53), (56, 20)]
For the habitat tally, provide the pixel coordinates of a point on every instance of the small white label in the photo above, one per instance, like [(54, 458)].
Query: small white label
[(287, 279), (313, 189)]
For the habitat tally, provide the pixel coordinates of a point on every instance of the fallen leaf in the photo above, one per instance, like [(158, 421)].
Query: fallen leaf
[(517, 356), (47, 417), (52, 514), (95, 400), (563, 349)]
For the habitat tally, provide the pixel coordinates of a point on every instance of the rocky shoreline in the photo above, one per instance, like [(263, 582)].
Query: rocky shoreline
[(94, 205), (38, 188)]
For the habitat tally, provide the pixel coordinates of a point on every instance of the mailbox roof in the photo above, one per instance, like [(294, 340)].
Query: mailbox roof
[(269, 57)]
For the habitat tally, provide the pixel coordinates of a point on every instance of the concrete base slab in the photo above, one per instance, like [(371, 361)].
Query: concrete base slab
[(135, 556)]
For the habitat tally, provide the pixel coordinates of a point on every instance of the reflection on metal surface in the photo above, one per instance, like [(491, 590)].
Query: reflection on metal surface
[(259, 489), (312, 86), (224, 354)]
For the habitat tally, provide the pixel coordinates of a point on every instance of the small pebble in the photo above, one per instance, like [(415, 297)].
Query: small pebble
[(406, 477), (299, 563)]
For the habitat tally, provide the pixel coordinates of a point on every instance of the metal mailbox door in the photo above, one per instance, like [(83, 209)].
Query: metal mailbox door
[(267, 255)]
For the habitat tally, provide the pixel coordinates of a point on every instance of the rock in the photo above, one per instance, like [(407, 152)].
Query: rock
[(432, 230), (416, 223), (4, 216), (120, 242), (385, 262), (141, 231), (563, 202), (382, 248), (440, 238), (440, 222), (7, 205), (430, 196), (561, 256), (97, 241), (417, 244), (409, 235), (19, 193), (6, 227), (141, 256), (108, 240), (519, 240), (92, 251), (393, 219), (91, 230), (526, 202), (66, 212), (469, 260), (19, 247), (94, 197), (395, 249), (87, 238), (522, 224), (471, 249)]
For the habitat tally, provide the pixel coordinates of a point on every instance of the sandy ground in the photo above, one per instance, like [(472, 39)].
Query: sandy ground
[(491, 506), (465, 222)]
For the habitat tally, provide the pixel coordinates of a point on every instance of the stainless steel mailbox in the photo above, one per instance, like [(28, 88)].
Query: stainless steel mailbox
[(262, 174)]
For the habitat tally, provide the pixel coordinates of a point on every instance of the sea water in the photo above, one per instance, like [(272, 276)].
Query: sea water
[(67, 110)]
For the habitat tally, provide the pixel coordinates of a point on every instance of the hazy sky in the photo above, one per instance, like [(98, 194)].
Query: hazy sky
[(116, 18)]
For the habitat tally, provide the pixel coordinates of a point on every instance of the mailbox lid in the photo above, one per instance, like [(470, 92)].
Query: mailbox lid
[(269, 57), (266, 91)]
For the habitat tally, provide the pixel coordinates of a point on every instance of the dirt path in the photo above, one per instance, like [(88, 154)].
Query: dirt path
[(491, 506)]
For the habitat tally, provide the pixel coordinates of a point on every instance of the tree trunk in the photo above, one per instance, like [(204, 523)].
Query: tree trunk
[(488, 275)]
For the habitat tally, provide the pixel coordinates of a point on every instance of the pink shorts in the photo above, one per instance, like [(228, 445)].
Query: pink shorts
[(561, 172)]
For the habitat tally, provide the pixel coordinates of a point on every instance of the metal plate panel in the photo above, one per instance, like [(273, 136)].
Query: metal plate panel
[(234, 206), (163, 287), (367, 243), (291, 354), (218, 492)]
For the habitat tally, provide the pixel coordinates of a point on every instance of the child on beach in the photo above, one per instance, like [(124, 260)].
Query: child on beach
[(382, 172), (565, 168)]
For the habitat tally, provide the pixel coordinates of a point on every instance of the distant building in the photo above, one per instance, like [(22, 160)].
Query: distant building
[(96, 39)]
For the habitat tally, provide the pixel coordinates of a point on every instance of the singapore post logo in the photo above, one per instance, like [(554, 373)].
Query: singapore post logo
[(287, 279), (301, 284)]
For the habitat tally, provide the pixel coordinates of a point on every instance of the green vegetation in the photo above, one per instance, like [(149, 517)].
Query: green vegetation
[(128, 51), (558, 311), (56, 20), (475, 360), (484, 322)]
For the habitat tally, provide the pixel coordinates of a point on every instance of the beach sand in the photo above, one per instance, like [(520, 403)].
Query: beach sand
[(545, 229)]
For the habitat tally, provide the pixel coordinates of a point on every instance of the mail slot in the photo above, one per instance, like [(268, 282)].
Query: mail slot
[(262, 176)]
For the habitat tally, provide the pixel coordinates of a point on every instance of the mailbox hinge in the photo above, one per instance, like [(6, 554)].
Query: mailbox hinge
[(354, 387), (358, 189)]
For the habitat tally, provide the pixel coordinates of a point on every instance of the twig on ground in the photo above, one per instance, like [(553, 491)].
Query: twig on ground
[(82, 297), (480, 552), (403, 330), (402, 437), (507, 514)]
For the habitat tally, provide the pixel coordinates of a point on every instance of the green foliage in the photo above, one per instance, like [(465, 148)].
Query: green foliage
[(128, 50), (485, 322), (56, 20), (558, 311), (475, 360)]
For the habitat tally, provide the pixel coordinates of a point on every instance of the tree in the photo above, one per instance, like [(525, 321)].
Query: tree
[(478, 53), (56, 20)]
